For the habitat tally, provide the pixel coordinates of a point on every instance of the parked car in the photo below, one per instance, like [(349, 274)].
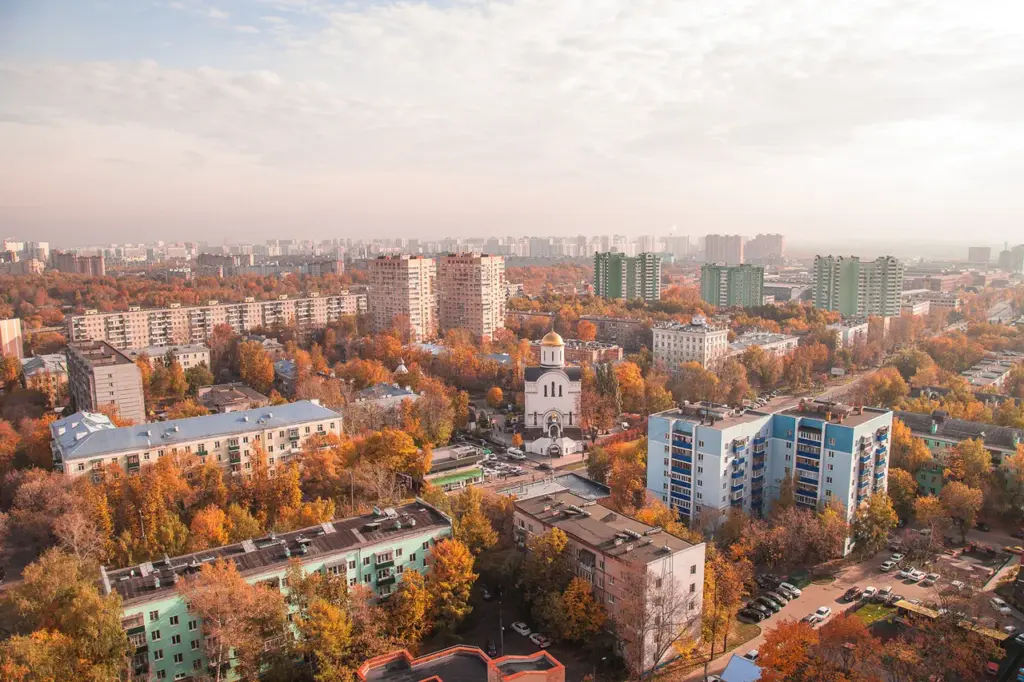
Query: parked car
[(930, 579), (785, 593), (905, 573), (853, 594), (916, 576), (752, 615), (1014, 549), (811, 619), (883, 594), (544, 466), (758, 607), (770, 604), (897, 557), (887, 566), (778, 597), (540, 640), (823, 612), (869, 592), (958, 584), (515, 453), (1000, 606), (492, 650), (892, 599), (522, 628), (791, 588), (752, 655)]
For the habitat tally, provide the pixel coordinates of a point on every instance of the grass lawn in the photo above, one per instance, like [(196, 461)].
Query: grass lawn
[(871, 613), (742, 633)]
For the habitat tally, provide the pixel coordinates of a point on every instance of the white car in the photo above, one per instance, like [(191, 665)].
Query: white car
[(897, 557), (823, 612), (958, 584), (515, 453), (905, 573), (752, 655), (887, 566), (916, 576), (786, 586), (540, 640), (869, 592), (1000, 606), (522, 628), (930, 579)]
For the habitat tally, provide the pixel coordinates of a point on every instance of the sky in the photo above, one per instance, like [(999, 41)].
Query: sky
[(135, 120)]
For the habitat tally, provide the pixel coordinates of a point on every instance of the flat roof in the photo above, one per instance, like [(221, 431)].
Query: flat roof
[(54, 363), (227, 394), (581, 485), (383, 391), (609, 531), (724, 416), (85, 434), (100, 353), (257, 555), (160, 351), (459, 663)]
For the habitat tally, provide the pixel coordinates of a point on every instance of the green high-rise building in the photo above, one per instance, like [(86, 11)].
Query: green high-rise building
[(617, 275), (732, 285), (852, 287)]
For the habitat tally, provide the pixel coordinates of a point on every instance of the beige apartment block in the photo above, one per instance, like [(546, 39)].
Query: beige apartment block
[(100, 375), (471, 293), (404, 287), (181, 325)]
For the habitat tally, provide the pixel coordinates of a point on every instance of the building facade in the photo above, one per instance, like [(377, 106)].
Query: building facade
[(552, 408), (703, 460), (619, 276), (177, 325), (675, 344), (188, 356), (765, 249), (12, 344), (233, 397), (372, 550), (850, 332), (73, 263), (941, 434), (852, 287), (778, 345), (630, 334), (85, 443), (732, 285), (404, 287), (723, 248), (471, 293), (631, 567), (47, 374), (581, 352), (979, 255), (101, 376)]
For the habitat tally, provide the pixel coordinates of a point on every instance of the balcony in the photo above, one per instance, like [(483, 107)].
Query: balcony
[(760, 440), (807, 467), (133, 464), (863, 484), (680, 443), (386, 580), (688, 459), (384, 564), (736, 502), (759, 449), (883, 436), (880, 450), (880, 475), (739, 461), (881, 463), (686, 471), (737, 474), (235, 457), (737, 487), (233, 447), (866, 459), (680, 496)]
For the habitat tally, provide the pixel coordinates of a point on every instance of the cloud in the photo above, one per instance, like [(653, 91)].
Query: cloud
[(658, 106)]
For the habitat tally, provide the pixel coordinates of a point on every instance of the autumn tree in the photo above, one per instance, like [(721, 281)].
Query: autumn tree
[(57, 605), (10, 371), (237, 617), (631, 386), (586, 330), (693, 383), (185, 409), (470, 525), (255, 366), (723, 593), (582, 615), (495, 397), (546, 567), (657, 615), (962, 504), (411, 607), (913, 457), (874, 520), (449, 581), (902, 492), (209, 528), (9, 442), (884, 388), (319, 603), (969, 463)]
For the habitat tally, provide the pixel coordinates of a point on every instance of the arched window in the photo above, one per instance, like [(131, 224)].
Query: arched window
[(545, 391), (552, 389), (559, 391)]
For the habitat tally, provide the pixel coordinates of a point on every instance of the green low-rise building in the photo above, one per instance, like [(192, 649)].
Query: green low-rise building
[(373, 550)]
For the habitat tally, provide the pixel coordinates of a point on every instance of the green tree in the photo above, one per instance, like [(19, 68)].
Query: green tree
[(198, 376), (874, 520)]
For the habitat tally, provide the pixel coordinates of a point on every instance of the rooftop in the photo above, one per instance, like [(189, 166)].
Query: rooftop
[(609, 531), (695, 327), (744, 341), (54, 363), (153, 579), (84, 434), (221, 395), (723, 416), (385, 391), (455, 664), (996, 437), (580, 485), (99, 353), (577, 344), (740, 669), (160, 351)]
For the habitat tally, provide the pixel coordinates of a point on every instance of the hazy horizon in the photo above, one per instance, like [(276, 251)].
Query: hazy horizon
[(844, 124)]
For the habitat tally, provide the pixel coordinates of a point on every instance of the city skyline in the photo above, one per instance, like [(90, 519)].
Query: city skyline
[(217, 120)]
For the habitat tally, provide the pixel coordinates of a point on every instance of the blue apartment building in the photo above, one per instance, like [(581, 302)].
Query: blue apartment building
[(706, 458)]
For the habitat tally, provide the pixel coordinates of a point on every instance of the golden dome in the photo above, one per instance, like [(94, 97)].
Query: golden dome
[(552, 339)]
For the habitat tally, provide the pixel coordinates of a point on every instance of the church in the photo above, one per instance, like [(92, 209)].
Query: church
[(553, 392)]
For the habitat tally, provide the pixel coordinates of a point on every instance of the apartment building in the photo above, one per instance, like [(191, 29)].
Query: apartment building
[(850, 332), (233, 397), (704, 459), (979, 255), (11, 340), (85, 442), (404, 287), (779, 345), (461, 663), (620, 331), (100, 376), (723, 248), (992, 372), (851, 287), (189, 355), (766, 249), (631, 566), (177, 325), (732, 285), (944, 300), (47, 374), (471, 293), (941, 433), (675, 343), (618, 276), (73, 263), (373, 550)]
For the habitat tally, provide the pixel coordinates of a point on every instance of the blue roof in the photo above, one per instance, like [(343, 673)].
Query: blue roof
[(285, 368), (85, 434), (740, 669)]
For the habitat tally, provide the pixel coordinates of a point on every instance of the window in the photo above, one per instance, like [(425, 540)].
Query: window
[(161, 674), (657, 583), (398, 553), (351, 582), (155, 635), (154, 615), (831, 441), (332, 426), (307, 429), (666, 461), (158, 655), (788, 457), (545, 391), (352, 564), (693, 587), (693, 569), (81, 467), (611, 581), (192, 625), (319, 427), (197, 664), (366, 561), (611, 599), (700, 470), (194, 644), (412, 557), (245, 439), (174, 620), (367, 578), (400, 569), (281, 434), (426, 545), (179, 658), (700, 496), (270, 448), (175, 639), (830, 467), (700, 443), (828, 479)]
